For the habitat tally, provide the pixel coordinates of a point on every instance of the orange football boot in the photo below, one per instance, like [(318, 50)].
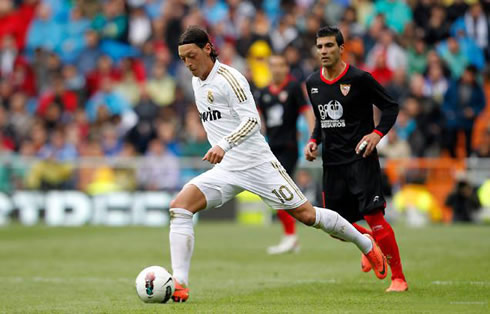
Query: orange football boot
[(181, 293), (377, 260), (398, 285), (365, 264)]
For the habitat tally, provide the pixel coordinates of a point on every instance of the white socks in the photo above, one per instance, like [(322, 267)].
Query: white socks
[(335, 225), (181, 243)]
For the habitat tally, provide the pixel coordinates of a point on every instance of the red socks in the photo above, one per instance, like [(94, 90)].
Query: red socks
[(362, 230), (385, 237), (287, 221)]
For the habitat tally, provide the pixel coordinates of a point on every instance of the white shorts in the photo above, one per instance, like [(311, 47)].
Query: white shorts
[(268, 180)]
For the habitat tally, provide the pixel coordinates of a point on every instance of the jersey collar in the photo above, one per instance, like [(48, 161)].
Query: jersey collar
[(212, 73), (335, 79)]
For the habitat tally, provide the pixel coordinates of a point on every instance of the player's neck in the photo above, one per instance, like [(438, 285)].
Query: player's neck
[(333, 72), (209, 68), (279, 84)]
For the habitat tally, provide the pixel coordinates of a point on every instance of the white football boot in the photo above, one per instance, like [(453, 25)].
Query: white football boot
[(288, 244)]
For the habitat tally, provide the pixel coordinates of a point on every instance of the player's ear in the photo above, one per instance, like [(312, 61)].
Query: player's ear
[(341, 48), (207, 49)]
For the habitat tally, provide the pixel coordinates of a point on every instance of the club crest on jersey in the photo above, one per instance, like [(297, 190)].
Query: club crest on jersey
[(344, 89), (210, 97), (283, 96)]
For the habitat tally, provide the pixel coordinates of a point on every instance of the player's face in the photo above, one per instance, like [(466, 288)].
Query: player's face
[(328, 51), (279, 68), (195, 58)]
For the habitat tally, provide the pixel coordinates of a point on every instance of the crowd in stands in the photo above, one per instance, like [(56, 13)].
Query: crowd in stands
[(91, 78)]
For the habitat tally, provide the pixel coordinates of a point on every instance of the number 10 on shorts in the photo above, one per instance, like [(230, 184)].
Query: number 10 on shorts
[(283, 193)]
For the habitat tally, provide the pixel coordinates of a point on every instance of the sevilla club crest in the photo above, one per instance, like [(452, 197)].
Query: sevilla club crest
[(344, 89)]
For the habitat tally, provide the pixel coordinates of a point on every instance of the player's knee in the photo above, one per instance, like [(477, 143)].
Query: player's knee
[(305, 214)]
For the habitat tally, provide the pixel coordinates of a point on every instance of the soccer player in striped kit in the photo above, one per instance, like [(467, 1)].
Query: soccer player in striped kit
[(243, 161)]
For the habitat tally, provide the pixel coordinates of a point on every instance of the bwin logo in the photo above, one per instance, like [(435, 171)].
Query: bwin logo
[(209, 115)]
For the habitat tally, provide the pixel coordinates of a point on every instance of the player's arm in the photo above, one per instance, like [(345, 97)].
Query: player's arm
[(389, 111), (243, 105), (311, 148)]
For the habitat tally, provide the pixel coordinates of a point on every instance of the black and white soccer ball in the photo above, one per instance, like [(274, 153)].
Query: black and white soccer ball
[(154, 284)]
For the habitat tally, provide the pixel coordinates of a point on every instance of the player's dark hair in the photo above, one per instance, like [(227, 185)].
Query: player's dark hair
[(198, 36), (327, 31)]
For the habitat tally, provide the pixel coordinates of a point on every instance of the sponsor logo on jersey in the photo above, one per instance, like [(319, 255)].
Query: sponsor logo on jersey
[(333, 110), (210, 97), (210, 115), (314, 90), (344, 89)]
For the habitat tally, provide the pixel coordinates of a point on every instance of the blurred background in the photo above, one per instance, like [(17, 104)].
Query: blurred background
[(98, 122)]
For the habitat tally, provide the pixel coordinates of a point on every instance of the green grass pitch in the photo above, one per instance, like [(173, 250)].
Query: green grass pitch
[(92, 270)]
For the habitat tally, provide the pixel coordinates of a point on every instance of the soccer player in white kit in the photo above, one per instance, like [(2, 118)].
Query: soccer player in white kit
[(243, 161)]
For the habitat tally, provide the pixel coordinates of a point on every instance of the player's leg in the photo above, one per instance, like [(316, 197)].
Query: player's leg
[(208, 190), (367, 186), (289, 241), (385, 237), (335, 225), (279, 191), (189, 201)]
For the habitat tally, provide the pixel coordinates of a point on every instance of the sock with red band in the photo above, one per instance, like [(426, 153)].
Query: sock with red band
[(287, 221), (385, 237)]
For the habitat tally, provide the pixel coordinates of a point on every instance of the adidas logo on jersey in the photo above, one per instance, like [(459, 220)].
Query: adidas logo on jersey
[(210, 115), (314, 90)]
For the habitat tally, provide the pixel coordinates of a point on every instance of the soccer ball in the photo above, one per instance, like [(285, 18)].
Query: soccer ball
[(155, 285)]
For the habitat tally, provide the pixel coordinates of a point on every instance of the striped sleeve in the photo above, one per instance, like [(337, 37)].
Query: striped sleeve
[(246, 129), (233, 82)]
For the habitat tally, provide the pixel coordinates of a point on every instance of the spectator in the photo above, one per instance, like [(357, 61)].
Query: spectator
[(108, 98), (463, 201), (397, 13), (284, 34), (16, 22), (454, 57), (195, 143), (72, 41), (112, 22), (435, 84), (139, 26), (104, 69), (20, 120), (8, 55), (44, 32), (438, 28), (160, 169), (476, 24), (161, 87), (54, 171), (463, 102), (87, 60), (393, 147), (58, 96), (456, 10), (417, 57), (397, 88), (393, 54)]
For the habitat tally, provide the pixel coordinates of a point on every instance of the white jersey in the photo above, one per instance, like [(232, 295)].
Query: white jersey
[(229, 116)]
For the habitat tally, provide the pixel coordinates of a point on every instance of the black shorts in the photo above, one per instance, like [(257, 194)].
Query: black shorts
[(354, 190), (288, 158)]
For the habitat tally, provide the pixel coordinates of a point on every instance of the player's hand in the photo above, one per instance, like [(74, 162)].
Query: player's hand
[(368, 144), (214, 155), (311, 151)]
